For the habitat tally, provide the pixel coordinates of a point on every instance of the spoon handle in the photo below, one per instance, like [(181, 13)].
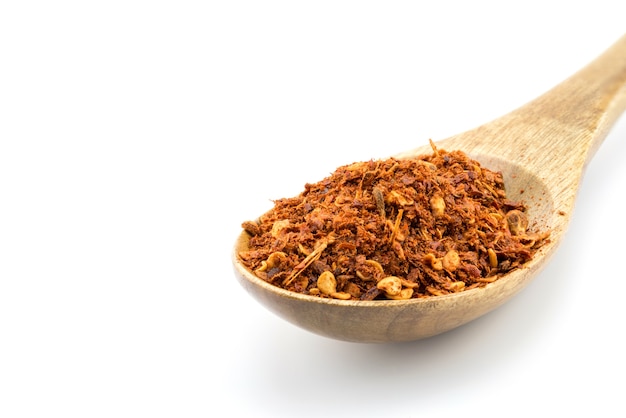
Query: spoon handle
[(586, 105), (561, 129)]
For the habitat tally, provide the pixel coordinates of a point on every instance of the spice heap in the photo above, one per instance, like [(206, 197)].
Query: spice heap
[(393, 229)]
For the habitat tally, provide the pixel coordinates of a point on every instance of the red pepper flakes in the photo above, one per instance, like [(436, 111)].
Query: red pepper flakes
[(393, 229)]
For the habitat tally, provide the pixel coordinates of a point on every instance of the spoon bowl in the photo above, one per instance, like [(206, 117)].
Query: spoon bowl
[(541, 149)]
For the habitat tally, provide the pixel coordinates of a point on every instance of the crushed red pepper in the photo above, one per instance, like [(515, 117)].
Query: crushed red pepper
[(393, 229)]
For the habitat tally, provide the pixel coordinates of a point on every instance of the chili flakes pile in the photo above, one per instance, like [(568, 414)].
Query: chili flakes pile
[(393, 229)]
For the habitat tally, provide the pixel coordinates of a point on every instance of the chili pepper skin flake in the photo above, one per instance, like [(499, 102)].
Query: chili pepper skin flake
[(393, 229)]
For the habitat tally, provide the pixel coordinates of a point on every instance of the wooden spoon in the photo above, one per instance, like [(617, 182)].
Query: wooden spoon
[(542, 149)]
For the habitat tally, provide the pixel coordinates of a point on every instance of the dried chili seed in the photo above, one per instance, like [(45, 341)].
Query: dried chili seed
[(517, 221), (379, 198), (403, 295), (433, 262), (393, 229), (437, 206), (326, 283), (391, 285), (493, 258), (451, 260)]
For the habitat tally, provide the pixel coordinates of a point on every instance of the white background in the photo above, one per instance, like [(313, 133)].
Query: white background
[(135, 137)]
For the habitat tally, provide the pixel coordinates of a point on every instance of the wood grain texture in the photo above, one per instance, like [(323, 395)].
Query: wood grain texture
[(542, 150)]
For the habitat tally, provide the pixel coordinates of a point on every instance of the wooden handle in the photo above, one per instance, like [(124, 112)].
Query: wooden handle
[(586, 105), (560, 130)]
